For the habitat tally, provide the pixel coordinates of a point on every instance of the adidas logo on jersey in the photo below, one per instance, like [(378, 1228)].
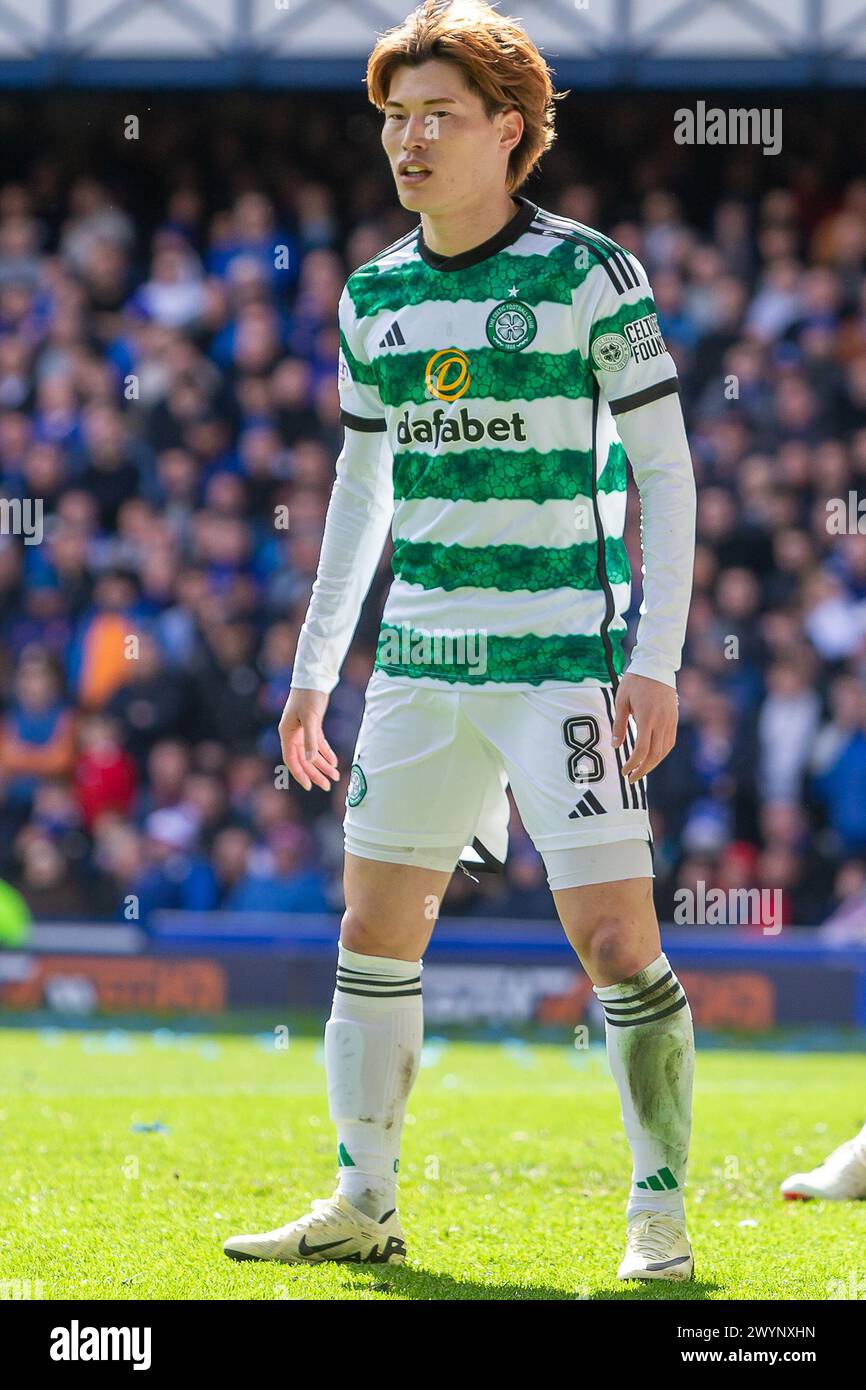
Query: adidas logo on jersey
[(588, 805), (438, 430), (394, 337)]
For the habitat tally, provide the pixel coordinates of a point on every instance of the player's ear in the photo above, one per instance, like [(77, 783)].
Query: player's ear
[(511, 128)]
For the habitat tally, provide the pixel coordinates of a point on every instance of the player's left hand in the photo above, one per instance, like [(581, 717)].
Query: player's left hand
[(656, 710)]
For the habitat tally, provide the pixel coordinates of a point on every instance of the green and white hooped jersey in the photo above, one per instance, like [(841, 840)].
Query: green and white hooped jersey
[(498, 375)]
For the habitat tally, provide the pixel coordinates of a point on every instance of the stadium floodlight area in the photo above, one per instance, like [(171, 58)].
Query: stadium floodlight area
[(324, 43)]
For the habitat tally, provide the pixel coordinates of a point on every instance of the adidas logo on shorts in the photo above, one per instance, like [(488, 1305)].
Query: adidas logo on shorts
[(588, 805)]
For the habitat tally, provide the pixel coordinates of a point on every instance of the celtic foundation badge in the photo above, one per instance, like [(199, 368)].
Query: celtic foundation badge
[(511, 325), (610, 352)]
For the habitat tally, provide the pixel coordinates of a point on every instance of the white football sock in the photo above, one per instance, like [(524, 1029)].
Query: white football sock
[(651, 1049), (372, 1053)]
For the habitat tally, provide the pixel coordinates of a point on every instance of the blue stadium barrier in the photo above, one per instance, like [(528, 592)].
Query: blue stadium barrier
[(502, 972), (736, 978)]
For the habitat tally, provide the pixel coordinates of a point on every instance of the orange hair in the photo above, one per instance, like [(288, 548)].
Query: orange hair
[(499, 62)]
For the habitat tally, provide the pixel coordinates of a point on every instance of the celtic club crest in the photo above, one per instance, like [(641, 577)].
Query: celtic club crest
[(511, 325), (357, 786)]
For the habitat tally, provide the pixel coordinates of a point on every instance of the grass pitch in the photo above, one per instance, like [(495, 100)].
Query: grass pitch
[(126, 1158)]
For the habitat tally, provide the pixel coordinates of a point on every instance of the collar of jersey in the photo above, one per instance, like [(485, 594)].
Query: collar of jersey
[(504, 237)]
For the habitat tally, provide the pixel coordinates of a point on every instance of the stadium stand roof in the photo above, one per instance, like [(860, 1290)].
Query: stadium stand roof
[(323, 43)]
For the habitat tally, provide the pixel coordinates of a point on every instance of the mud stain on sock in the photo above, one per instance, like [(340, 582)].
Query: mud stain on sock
[(407, 1070), (658, 1064), (642, 980)]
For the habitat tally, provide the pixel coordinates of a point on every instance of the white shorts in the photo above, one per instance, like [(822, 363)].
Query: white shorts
[(431, 769)]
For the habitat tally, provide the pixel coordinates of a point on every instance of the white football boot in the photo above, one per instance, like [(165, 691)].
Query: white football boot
[(840, 1178), (332, 1230), (657, 1247)]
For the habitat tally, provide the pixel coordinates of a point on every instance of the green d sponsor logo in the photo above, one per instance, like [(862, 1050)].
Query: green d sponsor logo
[(357, 786), (512, 325), (610, 352)]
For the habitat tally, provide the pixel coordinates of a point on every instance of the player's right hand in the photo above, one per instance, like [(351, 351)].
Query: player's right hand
[(306, 752)]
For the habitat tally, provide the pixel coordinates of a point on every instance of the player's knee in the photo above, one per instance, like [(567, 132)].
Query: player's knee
[(610, 949), (361, 932)]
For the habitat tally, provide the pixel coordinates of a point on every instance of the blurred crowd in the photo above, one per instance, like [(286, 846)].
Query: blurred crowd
[(168, 345)]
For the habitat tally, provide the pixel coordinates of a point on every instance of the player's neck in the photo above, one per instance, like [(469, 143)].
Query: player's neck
[(451, 233)]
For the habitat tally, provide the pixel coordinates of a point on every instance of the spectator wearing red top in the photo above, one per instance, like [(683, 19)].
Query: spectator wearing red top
[(105, 775)]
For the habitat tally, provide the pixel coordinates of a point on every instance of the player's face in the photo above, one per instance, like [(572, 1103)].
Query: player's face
[(433, 121)]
